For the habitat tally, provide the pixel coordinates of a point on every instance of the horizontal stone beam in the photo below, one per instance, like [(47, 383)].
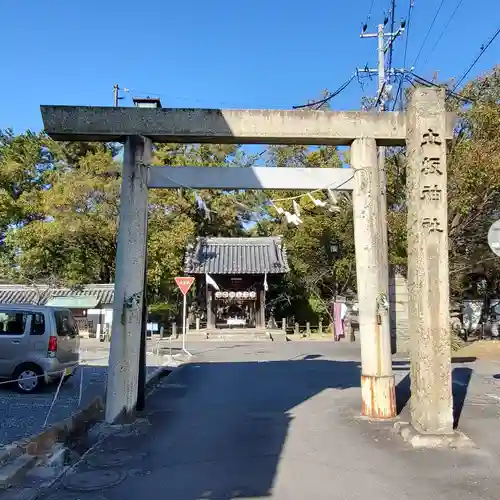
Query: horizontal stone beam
[(230, 178), (247, 126)]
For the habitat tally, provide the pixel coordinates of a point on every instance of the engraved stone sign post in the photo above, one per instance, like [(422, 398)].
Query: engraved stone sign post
[(428, 286)]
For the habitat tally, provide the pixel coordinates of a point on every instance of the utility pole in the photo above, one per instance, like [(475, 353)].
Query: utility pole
[(384, 244), (383, 47), (381, 66), (383, 95), (116, 89), (116, 94)]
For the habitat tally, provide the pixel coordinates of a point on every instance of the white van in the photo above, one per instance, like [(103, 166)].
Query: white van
[(38, 345)]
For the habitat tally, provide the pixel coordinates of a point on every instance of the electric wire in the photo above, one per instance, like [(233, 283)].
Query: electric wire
[(329, 97), (482, 51), (428, 83), (370, 11), (393, 8), (401, 81), (428, 33), (460, 2)]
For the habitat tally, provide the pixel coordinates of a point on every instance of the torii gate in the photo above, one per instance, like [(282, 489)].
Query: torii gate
[(424, 128)]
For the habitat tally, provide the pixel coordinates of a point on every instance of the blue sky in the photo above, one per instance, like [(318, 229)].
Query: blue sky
[(247, 54)]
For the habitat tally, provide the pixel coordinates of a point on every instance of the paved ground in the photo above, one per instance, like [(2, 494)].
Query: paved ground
[(268, 420), (23, 415)]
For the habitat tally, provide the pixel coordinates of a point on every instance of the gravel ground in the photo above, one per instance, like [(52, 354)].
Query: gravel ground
[(24, 415)]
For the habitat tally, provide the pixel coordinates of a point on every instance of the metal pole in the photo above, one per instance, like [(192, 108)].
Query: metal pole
[(116, 88), (184, 325)]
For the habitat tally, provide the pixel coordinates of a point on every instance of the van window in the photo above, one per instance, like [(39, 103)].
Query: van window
[(37, 324), (65, 324), (13, 322)]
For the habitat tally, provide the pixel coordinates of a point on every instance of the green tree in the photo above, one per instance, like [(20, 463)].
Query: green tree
[(316, 273), (73, 237), (473, 187)]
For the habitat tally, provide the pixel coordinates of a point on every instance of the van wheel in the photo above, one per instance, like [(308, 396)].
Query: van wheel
[(28, 378)]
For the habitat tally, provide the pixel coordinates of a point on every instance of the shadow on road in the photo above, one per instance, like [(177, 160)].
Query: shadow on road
[(460, 383), (218, 429), (403, 393)]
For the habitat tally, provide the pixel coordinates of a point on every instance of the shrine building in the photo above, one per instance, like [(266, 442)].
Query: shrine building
[(232, 277)]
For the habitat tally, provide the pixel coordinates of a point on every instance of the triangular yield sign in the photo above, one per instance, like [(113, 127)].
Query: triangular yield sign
[(184, 284)]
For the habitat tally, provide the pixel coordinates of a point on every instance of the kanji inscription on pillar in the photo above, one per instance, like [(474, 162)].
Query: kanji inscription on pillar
[(428, 277), (431, 171), (431, 166), (432, 225), (431, 193), (430, 137)]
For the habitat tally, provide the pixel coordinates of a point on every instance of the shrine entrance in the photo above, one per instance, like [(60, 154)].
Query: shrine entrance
[(236, 309), (424, 129), (233, 276)]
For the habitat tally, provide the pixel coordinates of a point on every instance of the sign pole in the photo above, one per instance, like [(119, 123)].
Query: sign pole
[(184, 325), (184, 285)]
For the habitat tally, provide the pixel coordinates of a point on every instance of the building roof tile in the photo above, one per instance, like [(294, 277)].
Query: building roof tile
[(254, 255), (26, 294)]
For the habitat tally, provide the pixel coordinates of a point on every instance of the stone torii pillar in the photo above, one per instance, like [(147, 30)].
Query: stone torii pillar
[(123, 371), (377, 379), (431, 401)]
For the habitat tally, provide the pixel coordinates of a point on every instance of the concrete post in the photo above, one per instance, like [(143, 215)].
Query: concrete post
[(174, 330), (210, 312), (428, 280), (197, 324), (283, 324), (377, 380), (320, 327), (262, 308), (121, 395)]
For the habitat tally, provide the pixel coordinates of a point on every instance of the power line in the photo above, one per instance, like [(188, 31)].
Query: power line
[(482, 51), (428, 83), (401, 81), (443, 32), (400, 87), (191, 100), (408, 17), (326, 99), (380, 94), (393, 9), (428, 32), (370, 11)]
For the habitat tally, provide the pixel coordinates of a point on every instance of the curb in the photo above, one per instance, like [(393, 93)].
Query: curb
[(418, 440), (35, 448), (18, 458)]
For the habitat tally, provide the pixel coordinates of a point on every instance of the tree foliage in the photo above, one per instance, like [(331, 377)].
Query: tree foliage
[(473, 188), (59, 205)]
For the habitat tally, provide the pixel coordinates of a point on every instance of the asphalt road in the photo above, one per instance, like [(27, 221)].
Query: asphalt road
[(23, 415), (280, 421)]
